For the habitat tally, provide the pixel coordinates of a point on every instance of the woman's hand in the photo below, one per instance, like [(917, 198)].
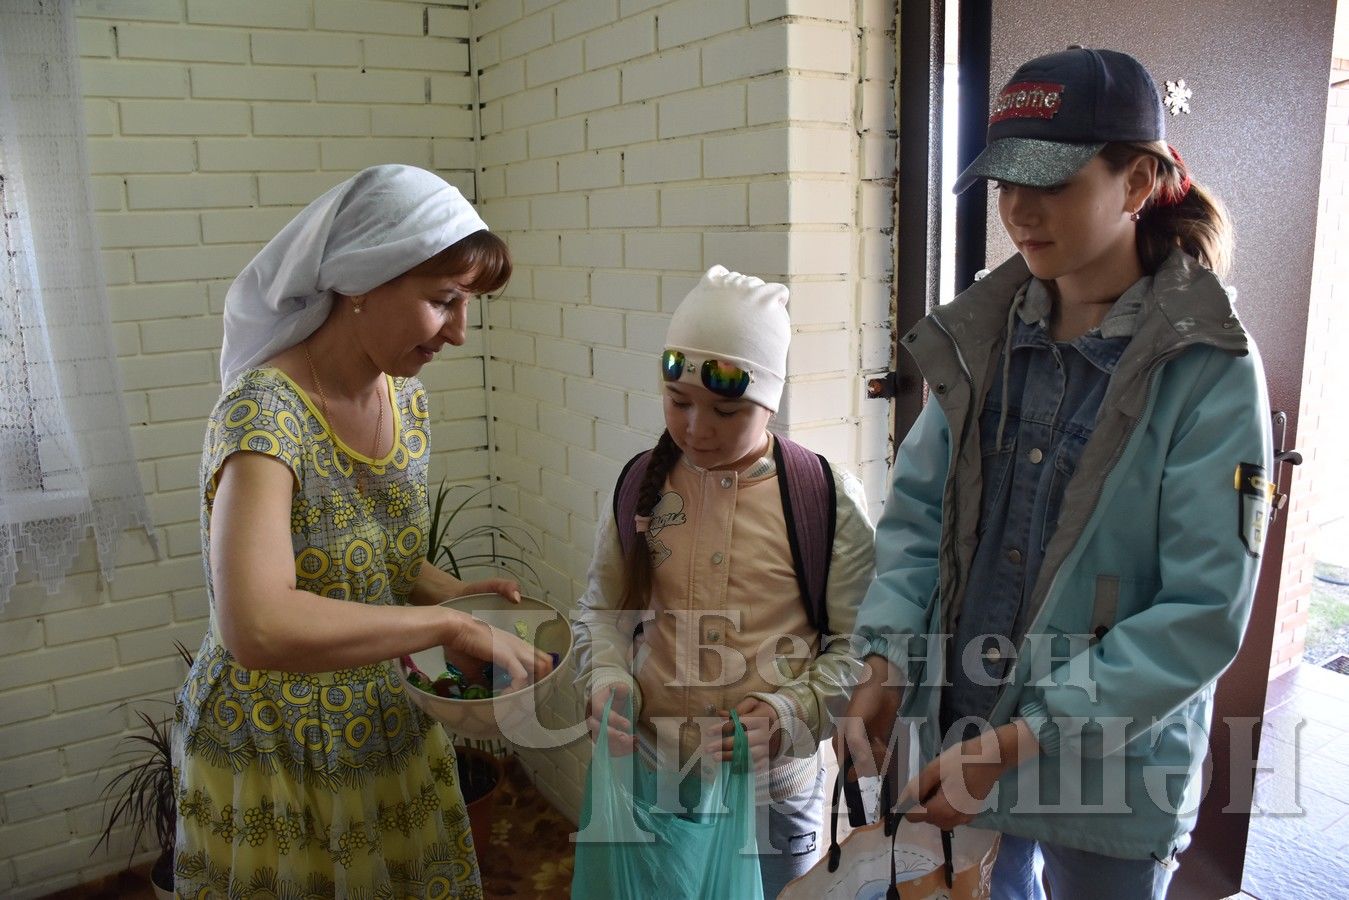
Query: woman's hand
[(434, 585), (761, 727), (473, 642), (619, 734), (865, 728), (953, 788), (506, 587)]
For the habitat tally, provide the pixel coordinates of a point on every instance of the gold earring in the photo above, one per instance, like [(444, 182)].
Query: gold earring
[(1133, 217), (356, 306)]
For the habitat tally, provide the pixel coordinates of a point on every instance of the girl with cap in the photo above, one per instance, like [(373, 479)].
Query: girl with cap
[(1076, 518), (709, 541), (302, 768)]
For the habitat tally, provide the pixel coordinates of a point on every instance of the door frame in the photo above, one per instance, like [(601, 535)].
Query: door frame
[(1214, 862)]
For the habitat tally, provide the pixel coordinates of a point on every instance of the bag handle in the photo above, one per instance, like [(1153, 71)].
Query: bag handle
[(888, 813)]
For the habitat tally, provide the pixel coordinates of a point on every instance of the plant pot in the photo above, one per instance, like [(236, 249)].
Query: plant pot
[(161, 876), (480, 776)]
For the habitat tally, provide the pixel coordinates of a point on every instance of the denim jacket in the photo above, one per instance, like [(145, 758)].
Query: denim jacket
[(1040, 411), (1146, 584)]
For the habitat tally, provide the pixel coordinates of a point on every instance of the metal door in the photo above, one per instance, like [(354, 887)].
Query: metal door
[(1258, 75)]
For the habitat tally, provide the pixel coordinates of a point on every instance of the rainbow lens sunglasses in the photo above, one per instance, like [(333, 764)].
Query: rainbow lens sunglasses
[(725, 379)]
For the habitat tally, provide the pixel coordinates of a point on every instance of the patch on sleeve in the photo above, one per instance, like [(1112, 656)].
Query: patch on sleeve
[(1256, 494)]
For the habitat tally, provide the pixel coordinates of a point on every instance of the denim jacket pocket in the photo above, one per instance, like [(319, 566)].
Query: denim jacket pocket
[(996, 462), (1065, 466)]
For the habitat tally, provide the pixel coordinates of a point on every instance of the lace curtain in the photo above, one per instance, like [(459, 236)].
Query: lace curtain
[(66, 461)]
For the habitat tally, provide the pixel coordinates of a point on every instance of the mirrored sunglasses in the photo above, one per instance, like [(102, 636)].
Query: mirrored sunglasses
[(725, 379)]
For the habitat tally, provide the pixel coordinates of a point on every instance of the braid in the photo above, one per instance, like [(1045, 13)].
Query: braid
[(637, 565)]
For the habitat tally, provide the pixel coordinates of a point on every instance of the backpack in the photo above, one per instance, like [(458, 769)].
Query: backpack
[(809, 507)]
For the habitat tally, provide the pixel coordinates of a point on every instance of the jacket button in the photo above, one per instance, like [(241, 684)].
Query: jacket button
[(940, 388), (714, 636), (1014, 555), (993, 654), (1035, 456), (717, 558), (726, 482)]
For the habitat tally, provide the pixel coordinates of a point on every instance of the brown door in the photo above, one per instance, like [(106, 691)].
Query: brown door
[(1258, 72)]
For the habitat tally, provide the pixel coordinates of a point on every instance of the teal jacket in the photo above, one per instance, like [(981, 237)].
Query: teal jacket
[(1147, 583)]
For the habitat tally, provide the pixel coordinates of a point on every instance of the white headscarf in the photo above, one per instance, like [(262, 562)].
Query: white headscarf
[(364, 232)]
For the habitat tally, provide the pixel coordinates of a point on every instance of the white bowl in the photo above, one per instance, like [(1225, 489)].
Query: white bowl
[(511, 717)]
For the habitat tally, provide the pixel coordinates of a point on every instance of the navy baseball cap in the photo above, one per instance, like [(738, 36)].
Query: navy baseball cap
[(1058, 111)]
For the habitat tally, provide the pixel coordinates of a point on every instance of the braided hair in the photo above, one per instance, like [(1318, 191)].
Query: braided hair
[(637, 565)]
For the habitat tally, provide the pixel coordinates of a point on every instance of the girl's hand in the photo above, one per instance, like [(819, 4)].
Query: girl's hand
[(761, 727), (865, 728), (953, 788), (621, 740), (506, 587), (473, 643)]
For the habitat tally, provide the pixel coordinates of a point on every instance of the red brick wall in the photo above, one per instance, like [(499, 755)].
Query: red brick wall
[(1319, 488)]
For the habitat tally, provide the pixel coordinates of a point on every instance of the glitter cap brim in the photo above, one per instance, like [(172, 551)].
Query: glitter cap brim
[(1027, 161)]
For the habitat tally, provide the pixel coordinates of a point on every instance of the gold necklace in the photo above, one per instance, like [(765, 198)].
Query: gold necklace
[(323, 401)]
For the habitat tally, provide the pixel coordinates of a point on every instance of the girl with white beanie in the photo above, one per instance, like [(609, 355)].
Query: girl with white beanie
[(745, 544)]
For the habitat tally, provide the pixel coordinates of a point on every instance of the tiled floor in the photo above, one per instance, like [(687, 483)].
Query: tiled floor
[(1299, 838)]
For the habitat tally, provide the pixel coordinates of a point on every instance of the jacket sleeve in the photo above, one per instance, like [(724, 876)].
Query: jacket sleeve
[(601, 633), (898, 602), (1152, 662), (822, 688)]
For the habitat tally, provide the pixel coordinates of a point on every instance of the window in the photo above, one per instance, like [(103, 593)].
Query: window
[(66, 463)]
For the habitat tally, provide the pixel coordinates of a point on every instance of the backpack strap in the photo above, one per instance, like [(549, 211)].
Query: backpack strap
[(810, 507), (629, 485)]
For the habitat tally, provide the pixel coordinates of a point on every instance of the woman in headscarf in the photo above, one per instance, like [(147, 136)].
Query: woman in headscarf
[(303, 768)]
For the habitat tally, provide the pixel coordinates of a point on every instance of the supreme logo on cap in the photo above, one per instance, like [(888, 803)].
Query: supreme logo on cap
[(1027, 100)]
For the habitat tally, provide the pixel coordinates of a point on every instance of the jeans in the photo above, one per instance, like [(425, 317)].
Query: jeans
[(1073, 874), (792, 838)]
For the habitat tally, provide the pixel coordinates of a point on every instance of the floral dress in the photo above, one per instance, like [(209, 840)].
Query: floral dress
[(332, 784)]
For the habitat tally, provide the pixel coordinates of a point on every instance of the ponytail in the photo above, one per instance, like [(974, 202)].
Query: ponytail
[(1197, 224), (637, 563)]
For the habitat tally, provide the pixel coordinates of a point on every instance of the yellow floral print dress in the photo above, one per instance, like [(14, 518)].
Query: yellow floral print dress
[(319, 785)]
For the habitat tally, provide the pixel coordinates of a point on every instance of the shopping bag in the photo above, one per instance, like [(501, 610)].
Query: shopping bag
[(896, 858), (628, 849)]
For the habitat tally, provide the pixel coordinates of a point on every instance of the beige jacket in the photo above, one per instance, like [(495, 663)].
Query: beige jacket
[(726, 619)]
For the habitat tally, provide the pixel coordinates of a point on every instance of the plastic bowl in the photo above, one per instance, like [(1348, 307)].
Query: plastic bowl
[(511, 717)]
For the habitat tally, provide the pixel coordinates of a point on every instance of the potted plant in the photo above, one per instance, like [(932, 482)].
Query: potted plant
[(481, 771), (499, 547), (142, 794)]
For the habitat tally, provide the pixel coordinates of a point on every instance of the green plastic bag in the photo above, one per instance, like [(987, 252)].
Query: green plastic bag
[(628, 849)]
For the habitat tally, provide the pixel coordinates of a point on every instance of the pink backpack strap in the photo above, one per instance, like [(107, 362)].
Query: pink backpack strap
[(625, 499), (810, 506)]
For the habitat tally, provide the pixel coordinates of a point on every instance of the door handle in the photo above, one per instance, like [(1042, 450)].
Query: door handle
[(1282, 456)]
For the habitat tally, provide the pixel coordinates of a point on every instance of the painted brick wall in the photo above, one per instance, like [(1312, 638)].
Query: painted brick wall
[(622, 146), (627, 145), (1320, 486), (210, 124)]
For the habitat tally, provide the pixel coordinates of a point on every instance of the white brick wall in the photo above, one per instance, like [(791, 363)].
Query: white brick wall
[(210, 124), (622, 146), (629, 145)]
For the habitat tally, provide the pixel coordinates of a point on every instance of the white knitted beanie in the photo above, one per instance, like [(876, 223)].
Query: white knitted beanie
[(740, 319)]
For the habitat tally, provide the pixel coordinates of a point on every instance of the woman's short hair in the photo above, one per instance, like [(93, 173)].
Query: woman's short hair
[(482, 253)]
